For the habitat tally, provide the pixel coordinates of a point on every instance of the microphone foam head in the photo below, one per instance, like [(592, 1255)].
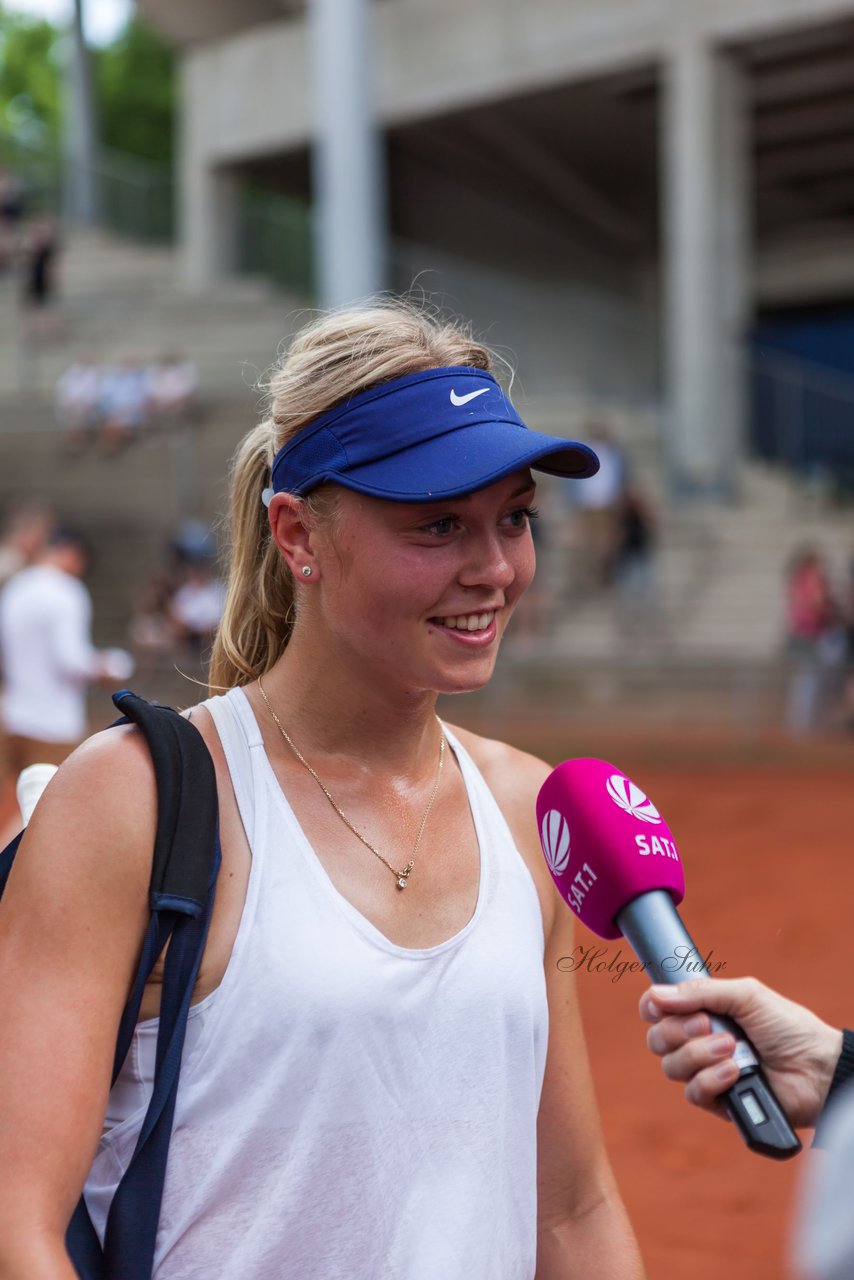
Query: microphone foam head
[(605, 842)]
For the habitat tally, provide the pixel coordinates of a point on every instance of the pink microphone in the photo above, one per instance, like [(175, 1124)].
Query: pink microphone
[(615, 862), (617, 847)]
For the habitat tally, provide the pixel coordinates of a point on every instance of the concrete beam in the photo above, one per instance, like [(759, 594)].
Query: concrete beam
[(817, 266), (827, 119), (438, 58), (742, 20), (806, 160), (813, 80), (522, 152), (199, 21)]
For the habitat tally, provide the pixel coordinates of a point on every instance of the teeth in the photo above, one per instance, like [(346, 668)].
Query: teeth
[(469, 621)]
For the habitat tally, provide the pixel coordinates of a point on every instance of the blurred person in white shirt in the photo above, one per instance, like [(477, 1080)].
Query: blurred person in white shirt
[(198, 604), (124, 403), (47, 655), (78, 400), (598, 506), (172, 384)]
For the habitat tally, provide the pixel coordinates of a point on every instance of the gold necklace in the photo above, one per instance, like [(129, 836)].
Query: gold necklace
[(403, 875)]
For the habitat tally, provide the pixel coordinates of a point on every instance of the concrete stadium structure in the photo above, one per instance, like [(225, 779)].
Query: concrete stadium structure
[(612, 189)]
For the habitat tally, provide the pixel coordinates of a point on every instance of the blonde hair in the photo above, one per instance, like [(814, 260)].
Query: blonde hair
[(329, 361)]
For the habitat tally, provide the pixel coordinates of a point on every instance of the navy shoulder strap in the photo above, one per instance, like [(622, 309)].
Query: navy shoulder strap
[(184, 870), (186, 818), (7, 857), (186, 862)]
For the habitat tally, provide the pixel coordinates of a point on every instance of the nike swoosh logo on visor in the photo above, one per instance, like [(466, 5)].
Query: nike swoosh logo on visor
[(458, 400)]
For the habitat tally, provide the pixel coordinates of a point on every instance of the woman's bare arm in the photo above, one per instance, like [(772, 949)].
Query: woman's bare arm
[(584, 1231), (71, 926)]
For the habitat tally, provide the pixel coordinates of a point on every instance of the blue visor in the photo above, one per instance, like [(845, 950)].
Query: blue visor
[(432, 435)]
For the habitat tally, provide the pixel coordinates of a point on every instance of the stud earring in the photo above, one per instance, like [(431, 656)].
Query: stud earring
[(306, 571)]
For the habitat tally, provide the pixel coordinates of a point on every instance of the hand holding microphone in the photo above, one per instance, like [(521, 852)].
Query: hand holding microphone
[(799, 1052), (615, 862)]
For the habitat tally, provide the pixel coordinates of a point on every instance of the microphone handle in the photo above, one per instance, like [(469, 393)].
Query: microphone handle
[(654, 930)]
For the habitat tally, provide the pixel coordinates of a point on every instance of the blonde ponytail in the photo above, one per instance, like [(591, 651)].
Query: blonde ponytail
[(332, 359), (259, 601)]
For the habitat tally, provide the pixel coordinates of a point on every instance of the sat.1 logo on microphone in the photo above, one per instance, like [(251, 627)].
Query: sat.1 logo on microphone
[(629, 797), (556, 841)]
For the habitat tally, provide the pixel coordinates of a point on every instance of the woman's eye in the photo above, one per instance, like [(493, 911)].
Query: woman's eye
[(442, 527), (521, 518)]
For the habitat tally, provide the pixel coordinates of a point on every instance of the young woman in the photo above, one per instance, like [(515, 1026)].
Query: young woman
[(384, 1075)]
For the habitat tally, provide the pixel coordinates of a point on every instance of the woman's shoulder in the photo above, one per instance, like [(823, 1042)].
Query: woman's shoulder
[(107, 782), (88, 843), (506, 769)]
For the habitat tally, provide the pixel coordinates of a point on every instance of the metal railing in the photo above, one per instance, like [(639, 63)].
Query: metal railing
[(135, 197), (274, 239), (802, 417)]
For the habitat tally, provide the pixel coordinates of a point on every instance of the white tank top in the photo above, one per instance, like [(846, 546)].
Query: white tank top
[(349, 1109)]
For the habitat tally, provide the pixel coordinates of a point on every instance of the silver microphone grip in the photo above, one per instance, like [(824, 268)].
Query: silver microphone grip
[(652, 927)]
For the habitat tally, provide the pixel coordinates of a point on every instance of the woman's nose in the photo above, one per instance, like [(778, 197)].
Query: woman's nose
[(487, 564)]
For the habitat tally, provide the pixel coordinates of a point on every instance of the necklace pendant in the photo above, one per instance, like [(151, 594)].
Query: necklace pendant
[(403, 876)]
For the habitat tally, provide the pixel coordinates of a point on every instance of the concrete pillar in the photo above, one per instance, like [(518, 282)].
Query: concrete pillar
[(736, 286), (347, 171), (208, 196), (706, 214), (80, 146)]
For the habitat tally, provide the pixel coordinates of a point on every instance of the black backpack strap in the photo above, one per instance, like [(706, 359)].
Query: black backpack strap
[(186, 820), (185, 865), (7, 857)]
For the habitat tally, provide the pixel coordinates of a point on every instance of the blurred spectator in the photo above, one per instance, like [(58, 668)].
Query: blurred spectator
[(39, 260), (48, 657), (24, 538), (151, 630), (181, 602), (194, 541), (815, 636), (11, 214), (634, 568), (78, 401), (172, 384), (124, 403), (597, 501), (197, 604), (848, 620)]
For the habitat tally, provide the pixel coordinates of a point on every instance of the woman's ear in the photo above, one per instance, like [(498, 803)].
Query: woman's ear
[(290, 525)]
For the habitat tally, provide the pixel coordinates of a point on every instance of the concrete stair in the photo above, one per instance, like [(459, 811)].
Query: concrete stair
[(117, 298), (719, 579), (128, 505)]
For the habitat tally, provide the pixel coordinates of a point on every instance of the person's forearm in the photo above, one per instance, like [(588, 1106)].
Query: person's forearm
[(598, 1244)]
